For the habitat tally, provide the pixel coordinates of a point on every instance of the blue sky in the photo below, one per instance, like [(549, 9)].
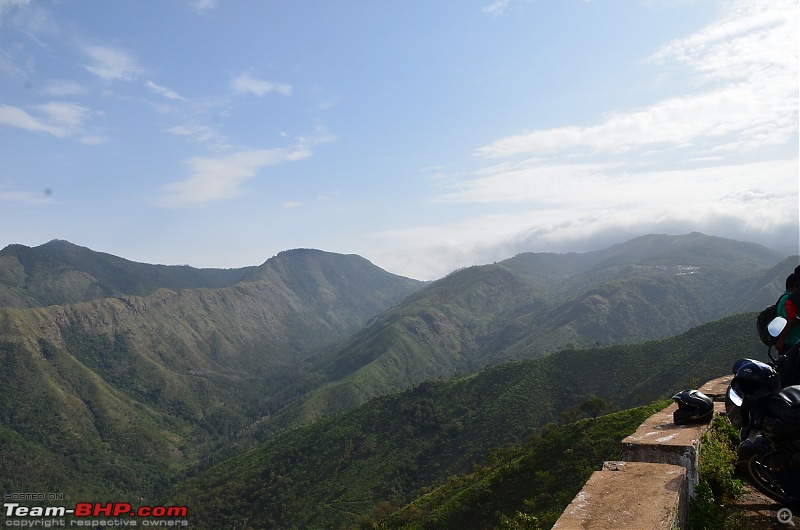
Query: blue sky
[(424, 136)]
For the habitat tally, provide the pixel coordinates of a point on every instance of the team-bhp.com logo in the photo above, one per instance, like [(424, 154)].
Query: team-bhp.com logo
[(121, 512)]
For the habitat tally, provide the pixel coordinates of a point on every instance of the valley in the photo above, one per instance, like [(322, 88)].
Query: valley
[(311, 389)]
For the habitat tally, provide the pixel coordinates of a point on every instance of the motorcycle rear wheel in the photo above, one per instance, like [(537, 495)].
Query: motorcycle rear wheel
[(764, 479)]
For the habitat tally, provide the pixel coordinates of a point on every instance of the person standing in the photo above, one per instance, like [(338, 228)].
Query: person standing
[(788, 343), (787, 308)]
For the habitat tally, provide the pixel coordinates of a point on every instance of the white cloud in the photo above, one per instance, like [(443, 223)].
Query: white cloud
[(291, 204), (565, 195), (741, 116), (591, 186), (17, 117), (669, 167), (583, 207), (497, 7), (68, 116), (201, 134), (748, 66), (740, 41), (245, 83), (216, 178), (111, 64), (59, 119), (528, 182), (163, 91)]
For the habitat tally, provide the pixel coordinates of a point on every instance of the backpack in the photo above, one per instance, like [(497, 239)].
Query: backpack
[(764, 318)]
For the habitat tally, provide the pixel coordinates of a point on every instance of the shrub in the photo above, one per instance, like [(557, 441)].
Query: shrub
[(717, 483), (718, 458)]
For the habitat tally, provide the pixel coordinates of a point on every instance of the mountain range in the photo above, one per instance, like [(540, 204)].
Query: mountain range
[(536, 304), (122, 378), (392, 449), (150, 381)]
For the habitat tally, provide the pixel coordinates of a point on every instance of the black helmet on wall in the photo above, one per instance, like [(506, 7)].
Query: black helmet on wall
[(693, 407)]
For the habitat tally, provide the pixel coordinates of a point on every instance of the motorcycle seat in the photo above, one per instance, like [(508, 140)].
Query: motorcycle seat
[(785, 405)]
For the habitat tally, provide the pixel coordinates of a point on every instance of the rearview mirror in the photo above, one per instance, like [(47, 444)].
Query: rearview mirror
[(776, 326), (735, 398)]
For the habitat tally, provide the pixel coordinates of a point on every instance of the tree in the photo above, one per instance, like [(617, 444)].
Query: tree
[(593, 406), (570, 415), (521, 521)]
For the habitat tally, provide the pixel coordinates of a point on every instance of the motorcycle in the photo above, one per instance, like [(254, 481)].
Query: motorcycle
[(768, 416)]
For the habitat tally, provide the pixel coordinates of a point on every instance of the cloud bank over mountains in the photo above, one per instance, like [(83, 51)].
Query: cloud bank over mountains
[(423, 137)]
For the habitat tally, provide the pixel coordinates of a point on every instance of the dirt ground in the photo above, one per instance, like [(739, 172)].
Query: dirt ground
[(762, 512)]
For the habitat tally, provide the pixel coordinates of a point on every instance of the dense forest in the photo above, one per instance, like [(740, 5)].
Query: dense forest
[(317, 390)]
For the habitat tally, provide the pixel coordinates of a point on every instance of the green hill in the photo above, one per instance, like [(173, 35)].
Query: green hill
[(128, 392), (177, 369), (524, 486), (60, 272), (329, 473), (536, 304)]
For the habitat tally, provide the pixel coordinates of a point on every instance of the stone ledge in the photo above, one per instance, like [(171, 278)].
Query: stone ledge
[(651, 487), (659, 440), (629, 495), (716, 388)]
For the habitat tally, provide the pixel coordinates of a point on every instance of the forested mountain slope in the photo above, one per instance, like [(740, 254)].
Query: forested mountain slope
[(153, 382), (536, 304), (327, 474), (126, 393), (521, 486), (60, 272)]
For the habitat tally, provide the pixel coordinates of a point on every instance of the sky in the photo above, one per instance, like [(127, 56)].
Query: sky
[(425, 136)]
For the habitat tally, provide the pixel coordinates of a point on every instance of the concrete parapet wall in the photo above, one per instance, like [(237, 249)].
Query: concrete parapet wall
[(716, 388), (658, 440), (651, 486), (631, 495)]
